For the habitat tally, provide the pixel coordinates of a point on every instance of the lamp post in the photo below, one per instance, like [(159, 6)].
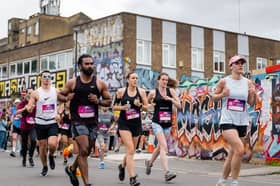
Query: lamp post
[(76, 50)]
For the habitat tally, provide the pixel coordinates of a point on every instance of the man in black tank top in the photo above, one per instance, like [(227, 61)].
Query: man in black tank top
[(84, 104)]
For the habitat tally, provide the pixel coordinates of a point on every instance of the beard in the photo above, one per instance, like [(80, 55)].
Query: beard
[(88, 72)]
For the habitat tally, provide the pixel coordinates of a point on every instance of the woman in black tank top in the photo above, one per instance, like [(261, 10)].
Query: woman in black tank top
[(163, 99), (130, 101)]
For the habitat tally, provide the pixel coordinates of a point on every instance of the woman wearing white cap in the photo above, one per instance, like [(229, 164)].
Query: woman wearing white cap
[(236, 92)]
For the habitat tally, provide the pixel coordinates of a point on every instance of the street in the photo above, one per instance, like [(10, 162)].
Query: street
[(189, 172)]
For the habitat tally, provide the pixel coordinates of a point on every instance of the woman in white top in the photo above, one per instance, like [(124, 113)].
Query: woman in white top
[(236, 92)]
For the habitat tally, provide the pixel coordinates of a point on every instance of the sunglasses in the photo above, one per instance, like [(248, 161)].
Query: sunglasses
[(46, 76)]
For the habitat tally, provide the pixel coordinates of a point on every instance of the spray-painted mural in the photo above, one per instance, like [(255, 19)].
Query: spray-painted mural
[(196, 132), (14, 86), (103, 40)]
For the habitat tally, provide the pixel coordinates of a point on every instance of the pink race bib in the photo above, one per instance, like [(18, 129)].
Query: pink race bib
[(86, 111), (236, 105), (30, 120), (65, 126), (164, 116), (132, 114), (48, 108)]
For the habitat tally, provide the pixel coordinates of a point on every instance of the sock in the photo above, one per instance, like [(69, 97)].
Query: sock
[(14, 149), (234, 181)]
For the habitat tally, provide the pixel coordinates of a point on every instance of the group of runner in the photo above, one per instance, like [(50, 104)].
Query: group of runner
[(82, 98)]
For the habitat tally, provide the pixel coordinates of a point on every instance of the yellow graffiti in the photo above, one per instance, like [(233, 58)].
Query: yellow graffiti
[(13, 85), (60, 79), (2, 88)]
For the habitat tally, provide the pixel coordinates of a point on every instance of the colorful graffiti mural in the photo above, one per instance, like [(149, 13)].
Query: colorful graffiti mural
[(196, 130), (103, 40), (14, 86)]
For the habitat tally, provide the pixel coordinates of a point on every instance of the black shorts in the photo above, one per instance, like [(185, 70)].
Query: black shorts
[(136, 130), (16, 130), (45, 131), (65, 132), (83, 129), (242, 130)]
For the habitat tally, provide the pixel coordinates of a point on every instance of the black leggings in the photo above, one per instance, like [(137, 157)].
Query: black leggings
[(32, 135)]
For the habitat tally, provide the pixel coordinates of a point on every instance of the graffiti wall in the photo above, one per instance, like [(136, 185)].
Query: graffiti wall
[(103, 40), (14, 86), (196, 131)]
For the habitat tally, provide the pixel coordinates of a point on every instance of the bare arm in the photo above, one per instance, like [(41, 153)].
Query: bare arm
[(32, 101), (117, 106), (106, 97), (251, 93), (220, 91), (144, 104), (175, 99), (62, 95)]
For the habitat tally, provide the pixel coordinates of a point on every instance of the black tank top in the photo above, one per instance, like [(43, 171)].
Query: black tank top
[(66, 118), (82, 110), (163, 110), (132, 116)]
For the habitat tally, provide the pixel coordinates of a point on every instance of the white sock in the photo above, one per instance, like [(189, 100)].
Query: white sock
[(14, 149)]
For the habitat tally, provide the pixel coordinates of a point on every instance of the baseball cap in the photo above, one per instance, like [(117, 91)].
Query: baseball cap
[(236, 58), (17, 101)]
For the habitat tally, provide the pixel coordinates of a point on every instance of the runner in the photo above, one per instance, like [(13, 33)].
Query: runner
[(235, 91), (16, 120), (164, 98), (87, 89), (106, 118), (130, 100), (28, 131), (44, 101)]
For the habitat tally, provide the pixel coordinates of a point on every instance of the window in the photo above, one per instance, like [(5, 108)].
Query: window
[(197, 59), (37, 28), (169, 55), (61, 63), (34, 66), (13, 70), (44, 64), (277, 61), (219, 61), (4, 72), (26, 67), (246, 65), (143, 52), (19, 69), (52, 62), (261, 63), (29, 30)]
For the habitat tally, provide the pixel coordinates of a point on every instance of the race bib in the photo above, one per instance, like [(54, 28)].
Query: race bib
[(102, 127), (132, 114), (236, 105), (164, 116), (48, 108), (86, 111), (65, 126), (30, 120)]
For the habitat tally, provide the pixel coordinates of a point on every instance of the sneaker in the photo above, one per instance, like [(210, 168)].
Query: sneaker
[(72, 176), (148, 167), (117, 150), (31, 162), (24, 162), (65, 161), (138, 151), (221, 183), (44, 171), (101, 165), (121, 172), (234, 183), (133, 181), (169, 176), (13, 154), (51, 162)]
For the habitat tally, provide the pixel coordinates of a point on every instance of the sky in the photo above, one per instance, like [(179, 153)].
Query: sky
[(253, 17)]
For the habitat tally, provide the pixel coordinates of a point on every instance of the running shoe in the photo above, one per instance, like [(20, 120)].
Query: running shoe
[(65, 161), (51, 162), (101, 165), (44, 171), (24, 162), (148, 167), (121, 172), (31, 162), (221, 183), (13, 154), (169, 176), (133, 181), (72, 176), (234, 183)]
